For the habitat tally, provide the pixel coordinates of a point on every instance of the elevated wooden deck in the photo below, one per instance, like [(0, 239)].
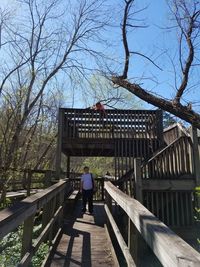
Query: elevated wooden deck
[(85, 132), (84, 241)]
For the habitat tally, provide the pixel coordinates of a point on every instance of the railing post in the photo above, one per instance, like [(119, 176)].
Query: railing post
[(130, 236), (196, 158), (138, 179), (102, 189), (68, 166), (108, 201), (133, 239), (159, 115), (47, 178), (46, 214), (59, 143), (61, 198), (27, 235), (29, 176)]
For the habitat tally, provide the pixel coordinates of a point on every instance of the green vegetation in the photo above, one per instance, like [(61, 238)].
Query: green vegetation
[(100, 165), (5, 204), (10, 249)]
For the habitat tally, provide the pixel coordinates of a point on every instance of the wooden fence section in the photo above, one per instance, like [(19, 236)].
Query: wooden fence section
[(169, 248), (172, 162), (87, 123), (27, 179), (171, 200), (51, 203), (174, 208)]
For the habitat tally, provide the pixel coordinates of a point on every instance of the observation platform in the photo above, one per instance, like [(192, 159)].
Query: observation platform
[(85, 132)]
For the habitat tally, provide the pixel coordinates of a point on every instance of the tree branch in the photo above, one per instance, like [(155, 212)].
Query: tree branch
[(178, 110)]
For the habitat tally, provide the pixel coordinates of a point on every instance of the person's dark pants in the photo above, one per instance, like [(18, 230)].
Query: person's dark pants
[(87, 196)]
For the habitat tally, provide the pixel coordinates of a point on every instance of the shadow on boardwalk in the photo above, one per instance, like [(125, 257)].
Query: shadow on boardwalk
[(84, 241)]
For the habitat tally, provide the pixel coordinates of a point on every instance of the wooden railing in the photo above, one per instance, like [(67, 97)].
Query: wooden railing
[(87, 123), (50, 203), (172, 162), (169, 248), (99, 184), (28, 179)]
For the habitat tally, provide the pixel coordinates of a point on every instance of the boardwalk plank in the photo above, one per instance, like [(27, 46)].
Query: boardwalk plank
[(84, 242)]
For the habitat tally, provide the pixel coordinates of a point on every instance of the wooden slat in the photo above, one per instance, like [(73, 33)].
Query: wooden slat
[(168, 184)]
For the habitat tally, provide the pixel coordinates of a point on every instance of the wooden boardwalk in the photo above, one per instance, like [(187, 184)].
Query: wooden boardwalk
[(84, 241)]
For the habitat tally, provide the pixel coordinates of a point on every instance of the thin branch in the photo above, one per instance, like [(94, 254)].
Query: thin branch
[(148, 58)]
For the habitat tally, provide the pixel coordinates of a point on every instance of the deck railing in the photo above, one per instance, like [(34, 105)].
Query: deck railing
[(50, 203), (87, 123), (169, 248), (172, 162)]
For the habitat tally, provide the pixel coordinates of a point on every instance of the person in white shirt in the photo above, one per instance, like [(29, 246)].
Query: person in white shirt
[(87, 186)]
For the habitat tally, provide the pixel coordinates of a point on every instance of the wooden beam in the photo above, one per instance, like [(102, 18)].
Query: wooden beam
[(138, 179), (59, 143), (68, 166), (168, 184), (27, 235)]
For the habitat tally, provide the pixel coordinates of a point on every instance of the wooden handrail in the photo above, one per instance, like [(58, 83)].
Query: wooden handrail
[(165, 148), (169, 248), (51, 201), (173, 161)]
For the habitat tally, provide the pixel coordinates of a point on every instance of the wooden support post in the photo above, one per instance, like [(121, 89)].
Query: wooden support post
[(47, 178), (27, 235), (131, 242), (51, 210), (61, 199), (59, 143), (138, 179), (108, 201), (46, 214), (68, 166), (196, 158), (134, 242), (159, 115), (102, 189), (29, 175)]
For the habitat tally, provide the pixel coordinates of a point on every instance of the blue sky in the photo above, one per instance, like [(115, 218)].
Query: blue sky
[(160, 44)]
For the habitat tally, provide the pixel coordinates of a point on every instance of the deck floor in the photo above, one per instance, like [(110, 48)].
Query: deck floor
[(84, 241)]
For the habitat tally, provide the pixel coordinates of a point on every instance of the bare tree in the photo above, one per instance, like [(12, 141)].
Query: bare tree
[(187, 18), (40, 49), (43, 42)]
